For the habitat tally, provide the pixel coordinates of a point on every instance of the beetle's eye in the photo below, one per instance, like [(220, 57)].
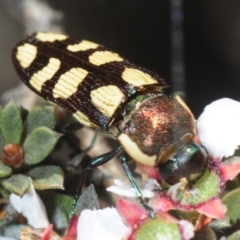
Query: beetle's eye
[(190, 162)]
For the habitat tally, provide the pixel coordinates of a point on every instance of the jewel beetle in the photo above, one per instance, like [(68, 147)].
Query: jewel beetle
[(112, 96)]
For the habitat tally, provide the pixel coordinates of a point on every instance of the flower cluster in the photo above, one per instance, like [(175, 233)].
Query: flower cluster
[(194, 206)]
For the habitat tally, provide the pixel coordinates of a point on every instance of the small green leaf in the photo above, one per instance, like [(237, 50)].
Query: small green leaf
[(52, 200), (220, 225), (47, 177), (2, 142), (4, 170), (12, 123), (157, 228), (4, 192), (204, 189), (1, 113), (234, 236), (40, 116), (39, 144), (18, 184), (232, 201)]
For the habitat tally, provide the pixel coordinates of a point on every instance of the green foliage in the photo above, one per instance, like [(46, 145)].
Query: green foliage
[(40, 116), (232, 201), (39, 144), (47, 177), (203, 190), (54, 200), (17, 184), (157, 228), (33, 134), (11, 123), (4, 170)]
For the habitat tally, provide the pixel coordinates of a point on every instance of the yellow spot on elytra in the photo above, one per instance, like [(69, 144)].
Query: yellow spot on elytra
[(107, 99), (101, 57), (137, 77), (68, 82), (82, 46), (135, 152), (83, 119), (39, 78), (26, 54), (50, 37)]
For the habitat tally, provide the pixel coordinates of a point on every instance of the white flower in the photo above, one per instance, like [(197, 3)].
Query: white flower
[(102, 224), (219, 127), (31, 207), (187, 229), (129, 191)]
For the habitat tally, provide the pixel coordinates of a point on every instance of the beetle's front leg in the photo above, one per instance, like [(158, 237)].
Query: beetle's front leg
[(136, 188), (96, 162)]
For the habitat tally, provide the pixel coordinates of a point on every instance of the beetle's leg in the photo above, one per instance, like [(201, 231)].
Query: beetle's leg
[(136, 188), (92, 164)]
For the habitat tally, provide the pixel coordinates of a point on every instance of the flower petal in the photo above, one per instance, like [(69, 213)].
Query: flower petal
[(31, 207), (213, 209), (129, 191), (219, 128), (187, 229), (162, 203), (71, 232), (131, 212), (230, 168), (101, 224)]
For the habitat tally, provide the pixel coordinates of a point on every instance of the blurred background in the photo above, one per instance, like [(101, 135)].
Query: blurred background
[(197, 39)]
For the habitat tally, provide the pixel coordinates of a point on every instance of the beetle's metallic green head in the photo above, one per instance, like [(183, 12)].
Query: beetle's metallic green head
[(190, 162)]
